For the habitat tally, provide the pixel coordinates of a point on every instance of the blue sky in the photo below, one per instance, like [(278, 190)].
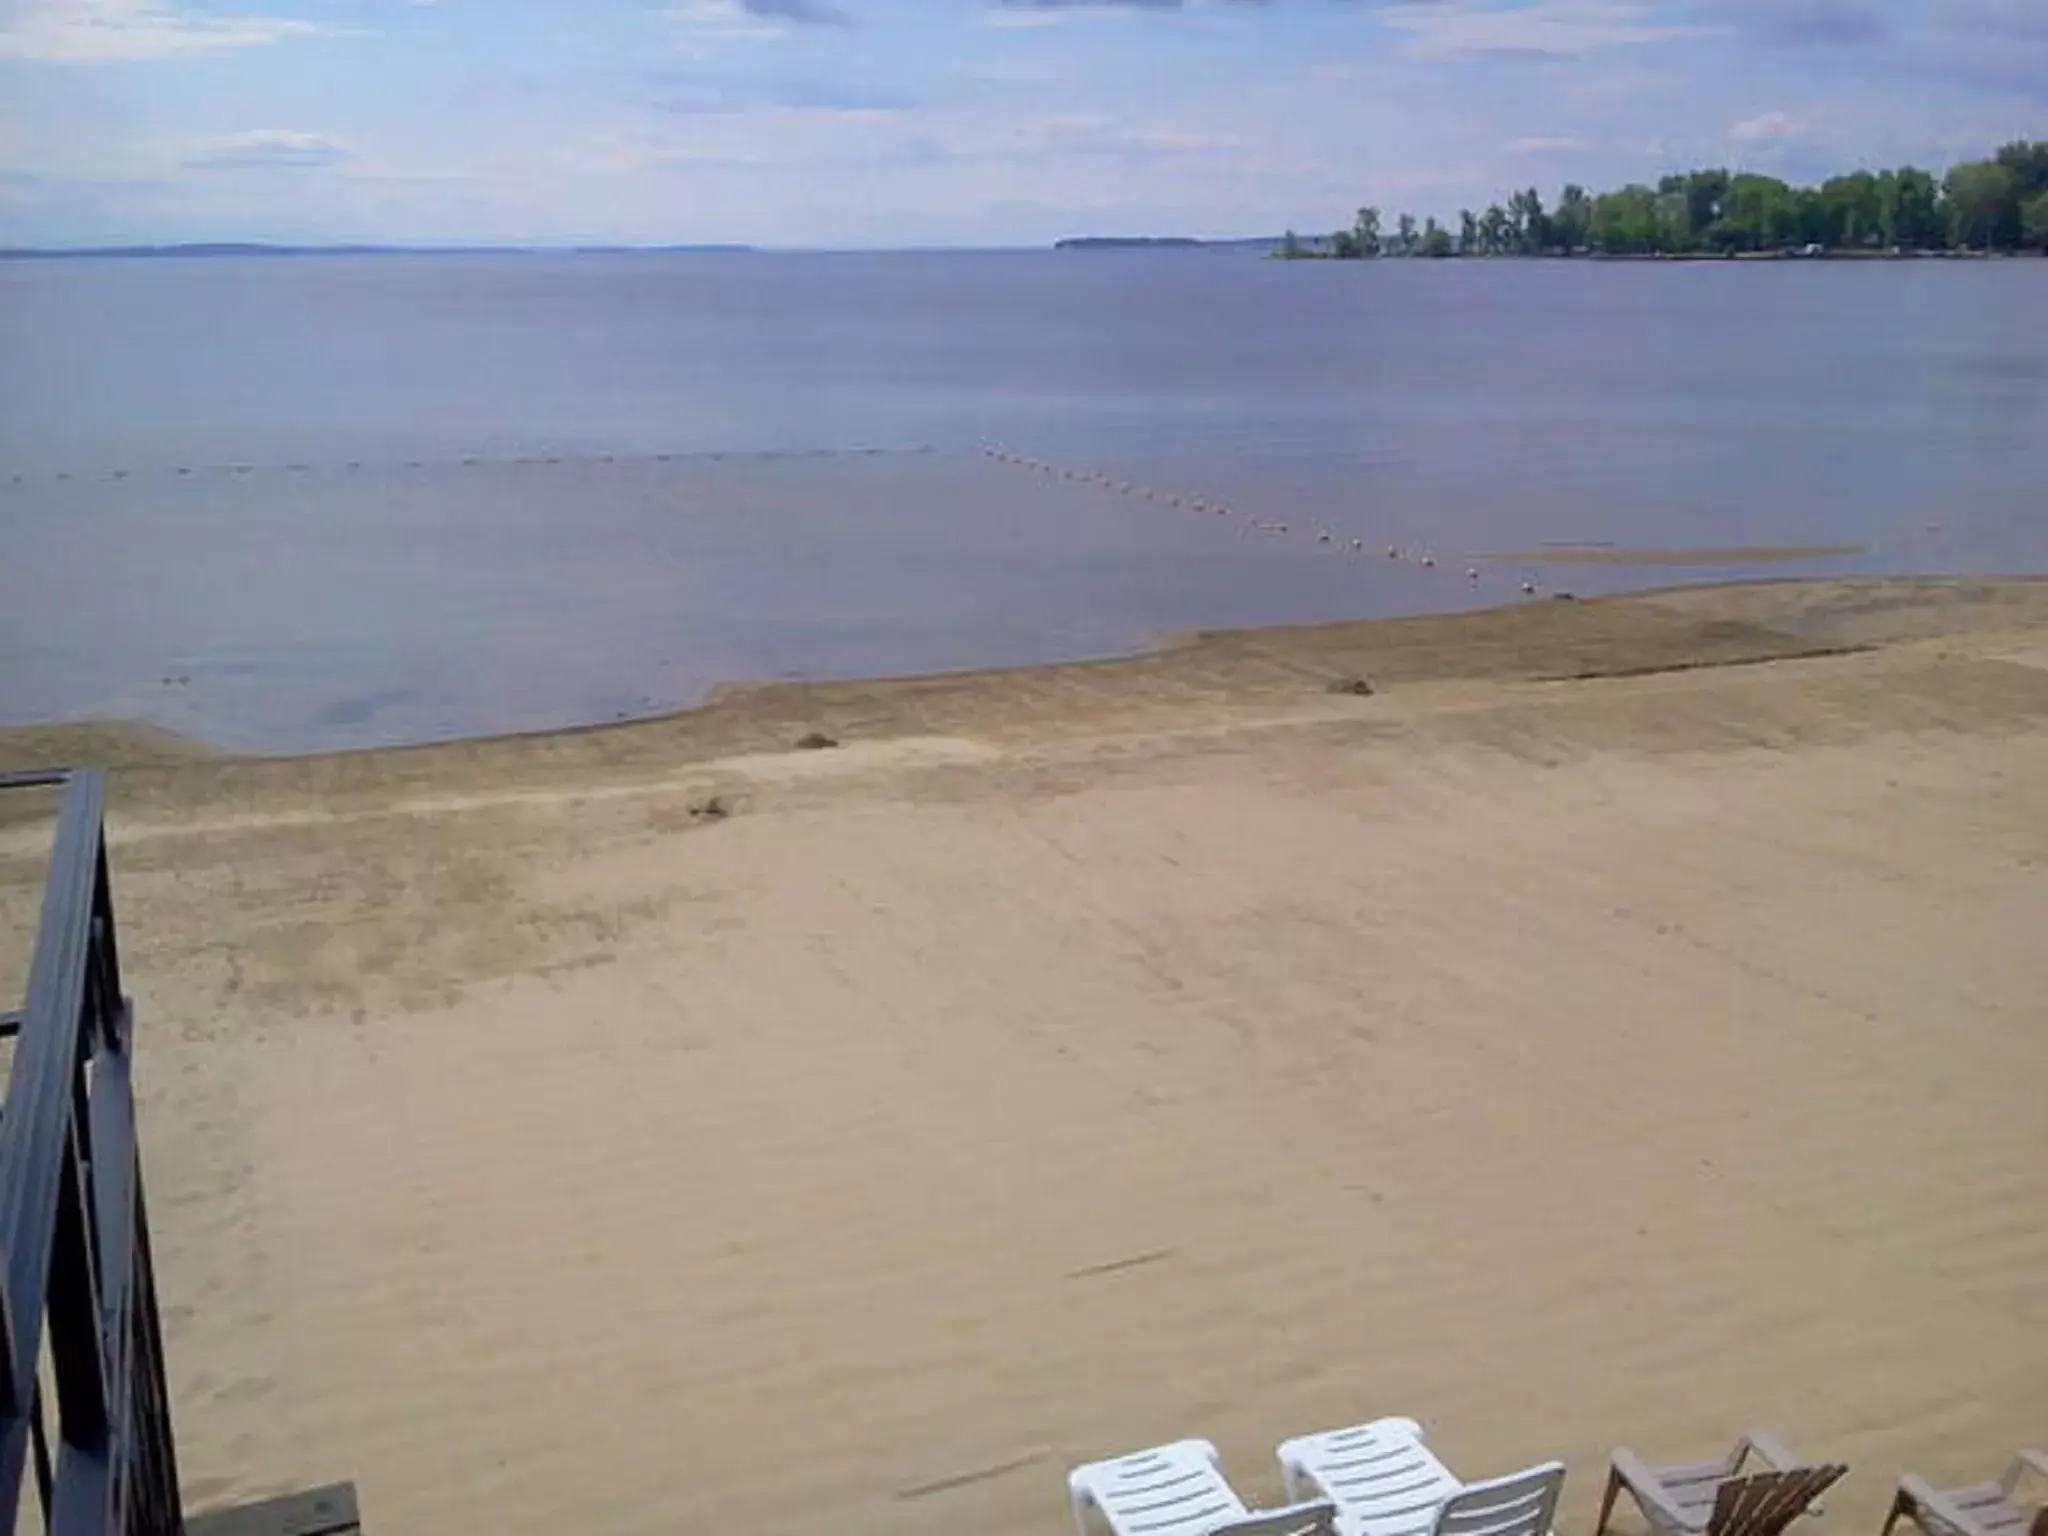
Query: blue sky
[(948, 122)]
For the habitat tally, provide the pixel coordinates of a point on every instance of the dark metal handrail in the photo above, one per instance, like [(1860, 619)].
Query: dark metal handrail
[(75, 1269)]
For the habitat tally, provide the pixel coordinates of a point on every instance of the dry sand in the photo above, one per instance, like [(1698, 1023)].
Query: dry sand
[(1092, 1056)]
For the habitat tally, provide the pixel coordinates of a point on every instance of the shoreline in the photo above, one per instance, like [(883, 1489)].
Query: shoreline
[(1677, 627)]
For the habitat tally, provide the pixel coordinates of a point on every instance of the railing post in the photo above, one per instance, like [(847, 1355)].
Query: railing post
[(74, 1241)]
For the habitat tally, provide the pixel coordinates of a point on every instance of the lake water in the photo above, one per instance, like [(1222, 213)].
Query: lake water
[(287, 505)]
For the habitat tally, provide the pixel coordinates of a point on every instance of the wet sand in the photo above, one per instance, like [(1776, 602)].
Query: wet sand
[(1709, 555), (1626, 1024)]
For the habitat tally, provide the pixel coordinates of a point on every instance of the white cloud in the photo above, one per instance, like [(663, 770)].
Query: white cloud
[(265, 149), (1462, 29), (1766, 125), (1540, 145), (97, 31), (728, 20), (1090, 134)]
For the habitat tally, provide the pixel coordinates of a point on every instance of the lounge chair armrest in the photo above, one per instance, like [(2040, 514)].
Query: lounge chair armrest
[(1641, 1479), (1934, 1508), (2025, 1462), (1767, 1448)]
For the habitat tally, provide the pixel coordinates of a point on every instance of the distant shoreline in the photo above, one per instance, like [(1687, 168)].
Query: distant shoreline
[(194, 250), (1163, 243), (237, 248), (1311, 250)]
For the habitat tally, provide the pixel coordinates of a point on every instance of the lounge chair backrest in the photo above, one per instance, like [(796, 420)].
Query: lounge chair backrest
[(1170, 1490), (1520, 1504), (1764, 1503), (1318, 1517)]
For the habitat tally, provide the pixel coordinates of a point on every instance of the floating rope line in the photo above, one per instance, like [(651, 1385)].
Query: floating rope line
[(464, 461), (1325, 536)]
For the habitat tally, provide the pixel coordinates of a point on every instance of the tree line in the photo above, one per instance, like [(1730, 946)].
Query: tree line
[(1999, 204)]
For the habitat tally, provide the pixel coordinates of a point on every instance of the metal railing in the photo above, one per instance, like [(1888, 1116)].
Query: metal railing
[(75, 1271)]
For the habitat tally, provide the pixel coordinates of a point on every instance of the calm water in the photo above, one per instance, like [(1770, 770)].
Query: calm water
[(294, 504)]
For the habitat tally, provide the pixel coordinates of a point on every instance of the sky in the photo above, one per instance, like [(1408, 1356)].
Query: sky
[(878, 123)]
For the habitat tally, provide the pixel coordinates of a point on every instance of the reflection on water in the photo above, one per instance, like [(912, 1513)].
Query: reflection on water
[(297, 504)]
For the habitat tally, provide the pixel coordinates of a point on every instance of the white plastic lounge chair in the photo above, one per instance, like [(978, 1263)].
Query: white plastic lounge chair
[(1981, 1509), (1385, 1482), (1715, 1498), (1178, 1490)]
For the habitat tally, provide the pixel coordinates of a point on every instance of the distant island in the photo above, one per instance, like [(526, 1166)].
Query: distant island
[(1979, 207), (239, 248), (1161, 242)]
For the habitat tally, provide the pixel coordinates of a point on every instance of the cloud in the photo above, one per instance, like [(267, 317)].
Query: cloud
[(757, 19), (710, 95), (1802, 23), (1113, 5), (2001, 44), (1093, 134), (1765, 126), (266, 149), (1541, 146), (805, 13), (100, 31), (1046, 13), (1540, 31)]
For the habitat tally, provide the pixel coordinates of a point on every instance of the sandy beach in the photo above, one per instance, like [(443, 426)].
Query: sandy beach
[(1626, 1024)]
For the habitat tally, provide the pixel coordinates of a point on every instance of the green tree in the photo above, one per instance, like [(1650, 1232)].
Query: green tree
[(1909, 212), (2028, 164), (1496, 231), (1811, 225), (2034, 222), (1366, 230), (1674, 224), (1625, 223), (1850, 210), (1532, 228), (1694, 206), (1574, 216), (1758, 213), (1983, 205), (1290, 247), (1986, 205)]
